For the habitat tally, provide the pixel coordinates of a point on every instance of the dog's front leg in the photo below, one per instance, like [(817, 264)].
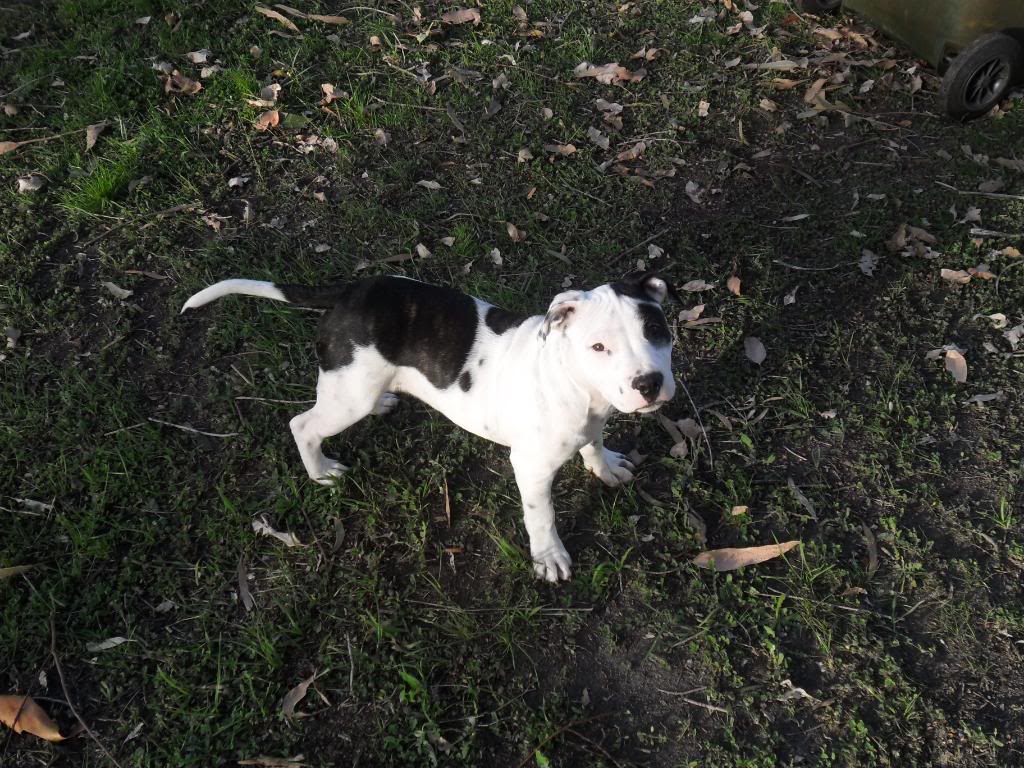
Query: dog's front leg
[(534, 477), (612, 468)]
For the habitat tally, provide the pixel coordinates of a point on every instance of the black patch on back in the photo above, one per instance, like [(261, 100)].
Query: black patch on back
[(655, 328), (465, 381), (426, 327), (500, 320)]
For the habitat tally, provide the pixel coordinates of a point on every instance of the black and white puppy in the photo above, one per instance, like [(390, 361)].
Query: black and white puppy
[(544, 385)]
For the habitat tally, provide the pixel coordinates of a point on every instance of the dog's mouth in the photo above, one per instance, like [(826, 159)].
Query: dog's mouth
[(649, 408)]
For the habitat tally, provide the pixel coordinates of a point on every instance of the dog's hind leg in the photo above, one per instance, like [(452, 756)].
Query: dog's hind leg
[(343, 397), (385, 404)]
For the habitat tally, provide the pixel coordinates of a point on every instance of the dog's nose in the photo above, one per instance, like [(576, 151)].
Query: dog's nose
[(649, 385)]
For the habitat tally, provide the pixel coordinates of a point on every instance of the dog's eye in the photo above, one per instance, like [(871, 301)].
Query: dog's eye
[(599, 347)]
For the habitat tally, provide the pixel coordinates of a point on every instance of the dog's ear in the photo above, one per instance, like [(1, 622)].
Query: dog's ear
[(647, 286), (561, 311)]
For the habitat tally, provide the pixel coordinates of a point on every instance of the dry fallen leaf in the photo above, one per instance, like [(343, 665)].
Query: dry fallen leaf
[(956, 276), (328, 19), (693, 191), (116, 291), (295, 695), (14, 570), (738, 510), (330, 94), (244, 593), (263, 761), (31, 183), (730, 559), (428, 184), (598, 138), (733, 284), (264, 528), (176, 82), (106, 645), (754, 349), (92, 133), (695, 286), (703, 108), (199, 57), (514, 232), (30, 718), (633, 153), (462, 16), (956, 365), (267, 120), (689, 315), (868, 262), (524, 155), (560, 149), (283, 20), (608, 73), (998, 320)]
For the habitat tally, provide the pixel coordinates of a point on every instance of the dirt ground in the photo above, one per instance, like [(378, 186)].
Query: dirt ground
[(807, 157)]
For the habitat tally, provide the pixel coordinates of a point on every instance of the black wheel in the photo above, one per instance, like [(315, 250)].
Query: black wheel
[(819, 6), (981, 75)]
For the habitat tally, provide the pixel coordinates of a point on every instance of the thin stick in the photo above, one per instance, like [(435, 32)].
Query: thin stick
[(807, 269), (183, 428), (67, 696), (123, 429), (559, 732), (650, 239), (709, 707), (351, 667), (991, 195), (696, 412)]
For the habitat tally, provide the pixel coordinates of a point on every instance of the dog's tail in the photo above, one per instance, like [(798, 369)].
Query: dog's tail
[(317, 297)]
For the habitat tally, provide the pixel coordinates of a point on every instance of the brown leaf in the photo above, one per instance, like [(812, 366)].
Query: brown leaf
[(785, 84), (739, 510), (291, 11), (689, 315), (281, 19), (178, 83), (8, 146), (267, 120), (696, 286), (295, 695), (560, 149), (608, 73), (462, 16), (730, 559), (956, 276), (515, 233), (598, 138), (733, 284), (199, 57), (330, 94), (633, 153), (328, 19), (956, 365), (982, 272), (92, 133), (23, 715), (754, 349)]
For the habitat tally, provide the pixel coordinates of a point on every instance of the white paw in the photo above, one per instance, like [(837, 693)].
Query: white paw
[(330, 470), (387, 403), (550, 561), (613, 469)]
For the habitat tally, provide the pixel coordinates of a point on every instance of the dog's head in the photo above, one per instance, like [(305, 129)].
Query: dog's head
[(618, 336)]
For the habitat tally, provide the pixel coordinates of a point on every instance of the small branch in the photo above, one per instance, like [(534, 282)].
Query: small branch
[(991, 195), (562, 729), (183, 428), (696, 412), (67, 696), (807, 269), (123, 429)]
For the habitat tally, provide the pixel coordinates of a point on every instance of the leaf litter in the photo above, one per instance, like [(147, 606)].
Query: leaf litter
[(730, 558), (23, 715)]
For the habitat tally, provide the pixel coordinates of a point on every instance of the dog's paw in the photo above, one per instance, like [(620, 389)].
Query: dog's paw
[(551, 562), (613, 469), (330, 470), (386, 404)]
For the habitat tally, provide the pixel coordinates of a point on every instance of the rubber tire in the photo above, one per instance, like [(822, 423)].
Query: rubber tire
[(819, 6), (983, 51)]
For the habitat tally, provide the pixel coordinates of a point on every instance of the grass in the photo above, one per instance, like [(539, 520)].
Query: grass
[(431, 642)]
